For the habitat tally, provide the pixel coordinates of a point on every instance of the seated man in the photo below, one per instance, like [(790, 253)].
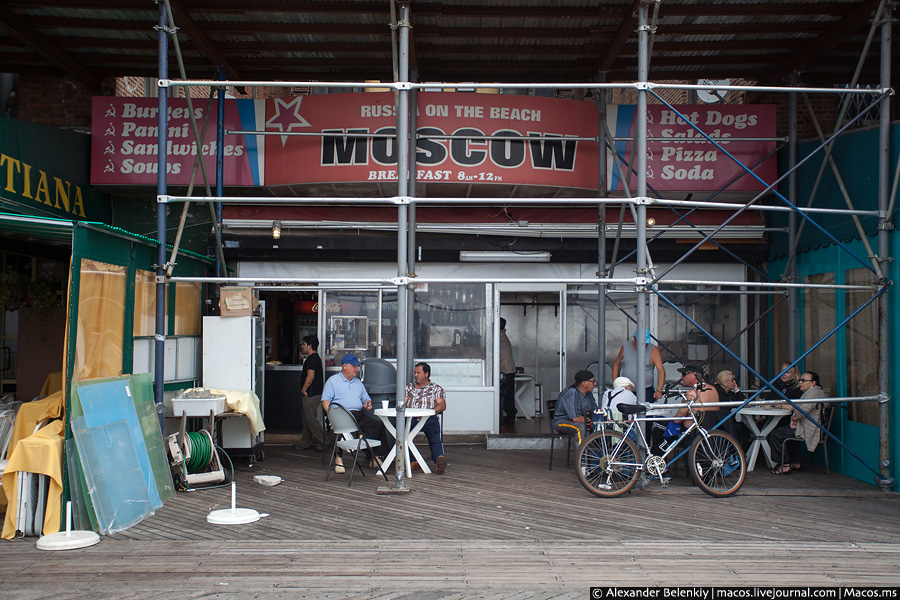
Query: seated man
[(346, 389), (573, 402), (728, 391), (425, 394), (692, 376), (622, 392)]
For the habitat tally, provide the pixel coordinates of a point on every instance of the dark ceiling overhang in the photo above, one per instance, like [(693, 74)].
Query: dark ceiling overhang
[(561, 41)]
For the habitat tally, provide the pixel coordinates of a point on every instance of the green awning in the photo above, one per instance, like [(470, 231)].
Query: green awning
[(36, 230)]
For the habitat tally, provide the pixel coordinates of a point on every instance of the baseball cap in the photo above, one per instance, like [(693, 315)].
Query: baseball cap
[(582, 376), (350, 359), (691, 367), (622, 382)]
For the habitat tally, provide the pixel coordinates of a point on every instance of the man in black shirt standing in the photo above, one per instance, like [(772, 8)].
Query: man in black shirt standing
[(312, 380)]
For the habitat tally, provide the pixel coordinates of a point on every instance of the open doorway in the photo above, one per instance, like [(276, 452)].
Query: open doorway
[(534, 325)]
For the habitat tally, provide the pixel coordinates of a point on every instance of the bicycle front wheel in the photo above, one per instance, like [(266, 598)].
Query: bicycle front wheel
[(717, 464), (607, 464)]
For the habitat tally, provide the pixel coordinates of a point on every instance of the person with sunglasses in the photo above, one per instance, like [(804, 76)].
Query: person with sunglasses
[(789, 385), (573, 402), (799, 426)]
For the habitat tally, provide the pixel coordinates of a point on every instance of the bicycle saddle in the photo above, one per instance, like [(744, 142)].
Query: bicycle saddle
[(631, 409)]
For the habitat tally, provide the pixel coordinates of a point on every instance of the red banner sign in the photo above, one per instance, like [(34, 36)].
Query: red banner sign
[(462, 138)]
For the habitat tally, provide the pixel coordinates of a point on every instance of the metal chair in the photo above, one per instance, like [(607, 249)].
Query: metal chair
[(827, 415), (7, 420), (551, 405), (347, 436)]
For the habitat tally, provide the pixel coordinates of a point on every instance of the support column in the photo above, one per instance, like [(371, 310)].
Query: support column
[(220, 169), (411, 225), (884, 145), (602, 271), (791, 275), (159, 346), (403, 304), (641, 192)]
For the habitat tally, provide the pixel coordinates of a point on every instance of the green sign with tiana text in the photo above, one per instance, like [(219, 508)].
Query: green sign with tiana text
[(45, 172)]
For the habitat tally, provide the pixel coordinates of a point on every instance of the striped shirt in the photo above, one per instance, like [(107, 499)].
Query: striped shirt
[(423, 397)]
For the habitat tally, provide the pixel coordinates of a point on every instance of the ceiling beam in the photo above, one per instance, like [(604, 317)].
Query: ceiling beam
[(186, 23), (623, 32), (434, 9), (855, 17), (25, 33)]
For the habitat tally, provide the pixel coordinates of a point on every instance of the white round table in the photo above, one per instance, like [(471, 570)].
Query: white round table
[(773, 415)]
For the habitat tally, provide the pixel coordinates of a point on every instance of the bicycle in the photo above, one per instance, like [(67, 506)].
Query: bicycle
[(608, 462)]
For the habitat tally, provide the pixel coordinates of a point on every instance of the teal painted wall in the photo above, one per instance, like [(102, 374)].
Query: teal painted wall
[(862, 439)]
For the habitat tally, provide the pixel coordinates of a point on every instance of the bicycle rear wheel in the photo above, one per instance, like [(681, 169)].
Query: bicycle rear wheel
[(607, 464), (717, 464)]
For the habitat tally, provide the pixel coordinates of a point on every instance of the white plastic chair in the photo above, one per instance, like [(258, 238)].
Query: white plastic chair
[(7, 420), (347, 436)]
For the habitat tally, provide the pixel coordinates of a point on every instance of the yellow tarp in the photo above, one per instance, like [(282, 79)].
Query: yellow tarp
[(40, 452), (27, 418), (246, 403)]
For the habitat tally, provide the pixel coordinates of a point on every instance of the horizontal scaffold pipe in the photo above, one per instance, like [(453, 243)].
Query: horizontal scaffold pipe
[(515, 228), (509, 138), (403, 85), (779, 401), (764, 284), (395, 281), (401, 200)]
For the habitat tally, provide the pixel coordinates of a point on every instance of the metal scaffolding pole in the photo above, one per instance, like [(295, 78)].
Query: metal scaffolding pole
[(884, 122), (403, 304), (221, 267), (602, 270), (159, 347), (791, 275), (641, 130)]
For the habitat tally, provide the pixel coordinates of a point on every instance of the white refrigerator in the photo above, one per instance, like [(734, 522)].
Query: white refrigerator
[(234, 359)]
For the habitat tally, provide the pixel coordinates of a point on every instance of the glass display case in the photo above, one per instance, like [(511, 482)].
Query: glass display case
[(348, 334), (450, 321)]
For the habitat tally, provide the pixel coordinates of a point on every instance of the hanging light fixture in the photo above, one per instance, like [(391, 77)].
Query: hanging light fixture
[(276, 230), (503, 256)]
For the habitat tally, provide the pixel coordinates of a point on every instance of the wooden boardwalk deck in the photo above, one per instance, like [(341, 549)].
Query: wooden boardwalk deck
[(498, 524)]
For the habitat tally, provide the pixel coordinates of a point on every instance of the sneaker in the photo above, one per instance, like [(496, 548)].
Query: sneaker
[(440, 464)]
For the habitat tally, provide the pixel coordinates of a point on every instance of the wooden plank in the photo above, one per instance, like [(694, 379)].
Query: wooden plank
[(497, 524)]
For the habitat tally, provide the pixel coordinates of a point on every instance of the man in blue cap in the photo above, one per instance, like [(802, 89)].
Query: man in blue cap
[(346, 389)]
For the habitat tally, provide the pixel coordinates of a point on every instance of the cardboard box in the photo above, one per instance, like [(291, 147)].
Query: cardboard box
[(237, 301)]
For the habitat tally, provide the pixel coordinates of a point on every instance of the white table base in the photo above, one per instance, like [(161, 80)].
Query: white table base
[(422, 414), (760, 435)]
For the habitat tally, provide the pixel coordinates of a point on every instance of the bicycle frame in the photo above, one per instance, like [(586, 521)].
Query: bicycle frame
[(633, 422)]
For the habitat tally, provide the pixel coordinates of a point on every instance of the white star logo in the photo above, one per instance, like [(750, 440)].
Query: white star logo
[(287, 119)]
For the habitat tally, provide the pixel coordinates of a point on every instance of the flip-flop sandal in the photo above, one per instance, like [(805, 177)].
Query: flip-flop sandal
[(799, 467), (781, 470)]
